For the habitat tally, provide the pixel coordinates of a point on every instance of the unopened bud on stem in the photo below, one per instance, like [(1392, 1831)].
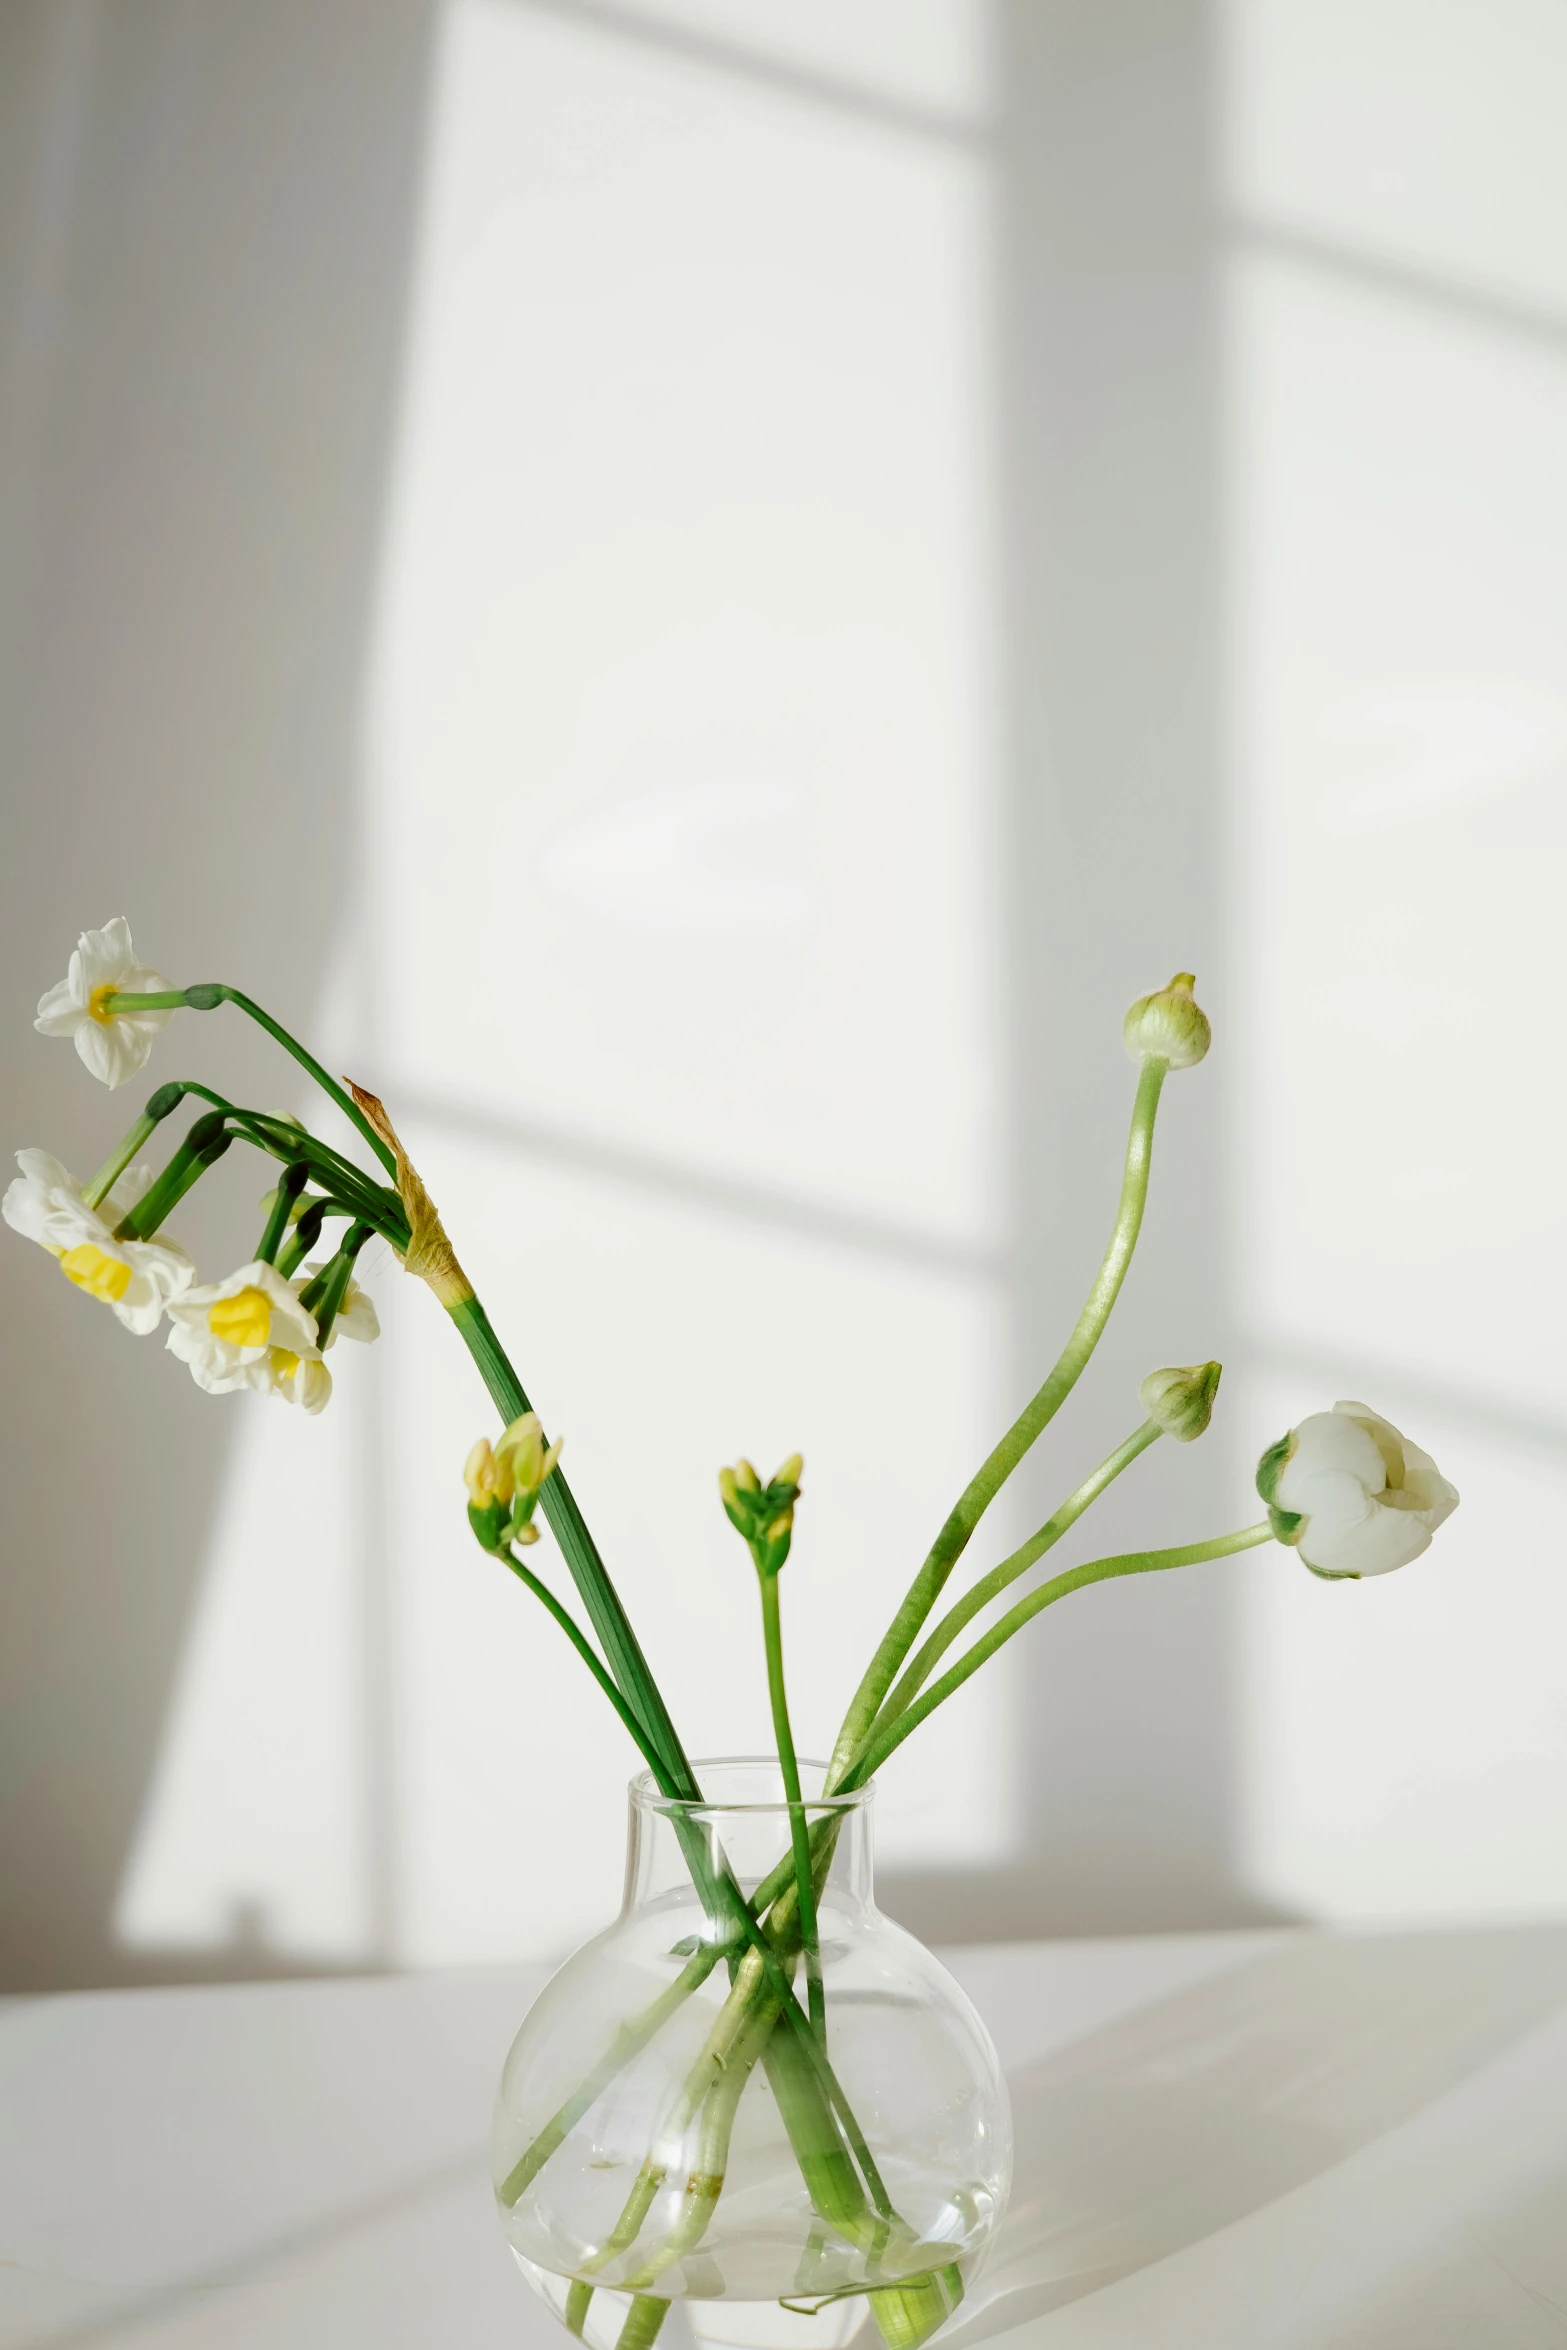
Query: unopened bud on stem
[(1168, 1026), (762, 1514), (1181, 1402)]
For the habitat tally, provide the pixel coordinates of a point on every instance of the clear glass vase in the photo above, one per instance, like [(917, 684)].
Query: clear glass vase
[(666, 2132)]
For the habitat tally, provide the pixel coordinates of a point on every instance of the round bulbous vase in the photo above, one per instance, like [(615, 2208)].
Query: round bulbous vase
[(666, 2130)]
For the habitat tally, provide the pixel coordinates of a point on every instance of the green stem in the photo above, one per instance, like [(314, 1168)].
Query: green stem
[(584, 1648), (1132, 1562), (799, 1832), (113, 1168), (203, 1146), (305, 1235), (324, 1296), (982, 1489), (588, 1571), (918, 1672), (642, 2322), (290, 1184), (627, 2045), (206, 997)]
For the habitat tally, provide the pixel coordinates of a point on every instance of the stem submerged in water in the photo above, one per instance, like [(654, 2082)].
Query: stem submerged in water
[(799, 1832)]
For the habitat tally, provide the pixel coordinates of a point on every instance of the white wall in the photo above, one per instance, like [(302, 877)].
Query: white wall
[(706, 591)]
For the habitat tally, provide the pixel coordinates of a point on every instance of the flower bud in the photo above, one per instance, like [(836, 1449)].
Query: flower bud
[(488, 1520), (1168, 1026), (486, 1478), (1181, 1401), (524, 1460), (762, 1514), (1351, 1494), (521, 1448)]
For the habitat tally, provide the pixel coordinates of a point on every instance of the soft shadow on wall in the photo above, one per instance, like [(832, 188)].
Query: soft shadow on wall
[(1109, 484), (204, 240)]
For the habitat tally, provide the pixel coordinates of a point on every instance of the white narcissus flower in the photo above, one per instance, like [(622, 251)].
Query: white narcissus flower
[(250, 1331), (114, 1045), (135, 1279), (1351, 1494)]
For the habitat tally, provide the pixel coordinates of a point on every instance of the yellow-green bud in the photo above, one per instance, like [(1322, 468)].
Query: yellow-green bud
[(487, 1478), (1181, 1402), (1168, 1026), (762, 1514)]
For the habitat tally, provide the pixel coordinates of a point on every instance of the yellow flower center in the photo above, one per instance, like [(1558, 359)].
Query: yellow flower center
[(244, 1320), (283, 1363), (103, 1277), (98, 1002)]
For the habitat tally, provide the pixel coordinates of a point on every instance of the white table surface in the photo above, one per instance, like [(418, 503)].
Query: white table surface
[(1232, 2141)]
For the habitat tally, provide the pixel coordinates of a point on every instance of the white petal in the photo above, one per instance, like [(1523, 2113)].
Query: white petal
[(140, 1310), (312, 1385), (1385, 1539), (24, 1209), (1328, 1442), (357, 1317), (213, 1366), (1428, 1490), (39, 1167), (103, 1050), (59, 1013), (1383, 1434), (1334, 1505), (106, 954)]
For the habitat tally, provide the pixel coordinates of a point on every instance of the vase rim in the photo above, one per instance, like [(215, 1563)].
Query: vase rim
[(646, 1796)]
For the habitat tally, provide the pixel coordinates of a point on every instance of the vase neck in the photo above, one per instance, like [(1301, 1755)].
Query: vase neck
[(676, 1853)]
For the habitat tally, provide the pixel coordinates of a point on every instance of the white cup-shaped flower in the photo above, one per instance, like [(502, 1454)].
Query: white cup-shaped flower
[(1351, 1494), (249, 1331), (135, 1279), (114, 1045)]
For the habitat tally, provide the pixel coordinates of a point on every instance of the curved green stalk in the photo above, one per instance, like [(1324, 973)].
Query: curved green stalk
[(982, 1489), (588, 1571), (113, 1168), (1132, 1562), (290, 1184), (580, 1642), (206, 997), (799, 1832), (917, 1673)]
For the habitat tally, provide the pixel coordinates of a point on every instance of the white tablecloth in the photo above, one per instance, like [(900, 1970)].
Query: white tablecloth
[(1225, 2142)]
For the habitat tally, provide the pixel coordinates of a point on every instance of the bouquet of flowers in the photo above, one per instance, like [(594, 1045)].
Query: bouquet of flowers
[(1344, 1489)]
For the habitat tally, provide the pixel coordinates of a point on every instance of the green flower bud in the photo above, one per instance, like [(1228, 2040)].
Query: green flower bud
[(762, 1514), (1181, 1401), (488, 1520), (1169, 1025)]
